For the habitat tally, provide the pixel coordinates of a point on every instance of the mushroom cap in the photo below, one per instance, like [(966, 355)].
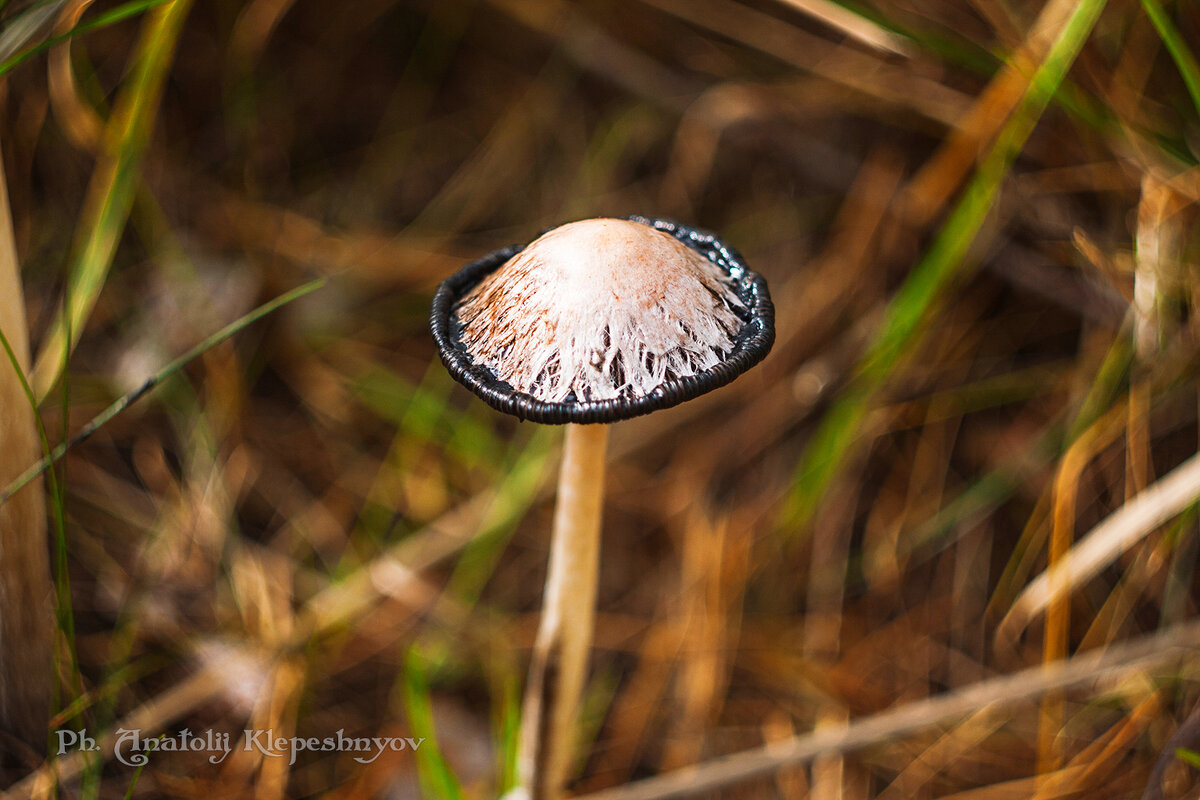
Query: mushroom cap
[(602, 320)]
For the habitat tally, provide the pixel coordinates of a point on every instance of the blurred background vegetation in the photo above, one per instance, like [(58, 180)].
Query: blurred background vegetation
[(977, 222)]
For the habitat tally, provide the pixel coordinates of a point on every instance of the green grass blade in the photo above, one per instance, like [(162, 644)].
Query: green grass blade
[(25, 26), (982, 497), (1189, 757), (507, 735), (170, 369), (945, 260), (110, 194), (1105, 385), (437, 780), (9, 60), (517, 491), (1185, 62), (137, 773), (524, 476)]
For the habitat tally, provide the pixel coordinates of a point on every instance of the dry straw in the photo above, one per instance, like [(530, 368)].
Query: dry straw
[(26, 595)]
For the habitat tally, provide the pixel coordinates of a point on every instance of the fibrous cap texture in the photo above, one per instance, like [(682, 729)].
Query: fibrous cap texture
[(600, 309)]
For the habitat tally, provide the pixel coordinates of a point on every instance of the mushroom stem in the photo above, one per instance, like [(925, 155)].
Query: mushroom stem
[(558, 665)]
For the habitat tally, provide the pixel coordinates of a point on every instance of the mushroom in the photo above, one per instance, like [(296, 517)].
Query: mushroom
[(594, 322)]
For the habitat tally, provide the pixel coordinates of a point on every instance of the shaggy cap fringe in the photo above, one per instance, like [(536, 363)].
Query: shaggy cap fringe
[(598, 310)]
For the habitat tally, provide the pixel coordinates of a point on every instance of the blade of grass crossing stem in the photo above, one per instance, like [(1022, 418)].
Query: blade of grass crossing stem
[(437, 780), (124, 402), (9, 60), (594, 707), (945, 259), (1185, 62), (110, 193)]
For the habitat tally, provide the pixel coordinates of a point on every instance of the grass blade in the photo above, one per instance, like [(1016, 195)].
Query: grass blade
[(10, 59), (25, 589), (110, 195), (506, 734), (1185, 62), (942, 263), (437, 780), (26, 25), (170, 369), (1117, 533)]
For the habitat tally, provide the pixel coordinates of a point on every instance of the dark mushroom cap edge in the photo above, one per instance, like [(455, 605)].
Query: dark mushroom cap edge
[(750, 346)]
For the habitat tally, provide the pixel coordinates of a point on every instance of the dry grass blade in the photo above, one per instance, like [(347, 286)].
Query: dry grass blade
[(941, 176), (26, 597), (853, 25), (1095, 763), (858, 71), (150, 718), (1009, 690), (80, 122), (1058, 616), (1162, 500), (954, 744)]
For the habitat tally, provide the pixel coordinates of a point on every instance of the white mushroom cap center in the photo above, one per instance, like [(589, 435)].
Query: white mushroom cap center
[(600, 309)]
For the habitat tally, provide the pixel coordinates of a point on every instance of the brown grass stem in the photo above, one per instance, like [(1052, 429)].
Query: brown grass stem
[(994, 694), (1121, 530), (26, 594)]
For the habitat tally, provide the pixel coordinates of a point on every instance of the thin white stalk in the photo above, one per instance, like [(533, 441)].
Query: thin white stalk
[(26, 596), (560, 653)]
